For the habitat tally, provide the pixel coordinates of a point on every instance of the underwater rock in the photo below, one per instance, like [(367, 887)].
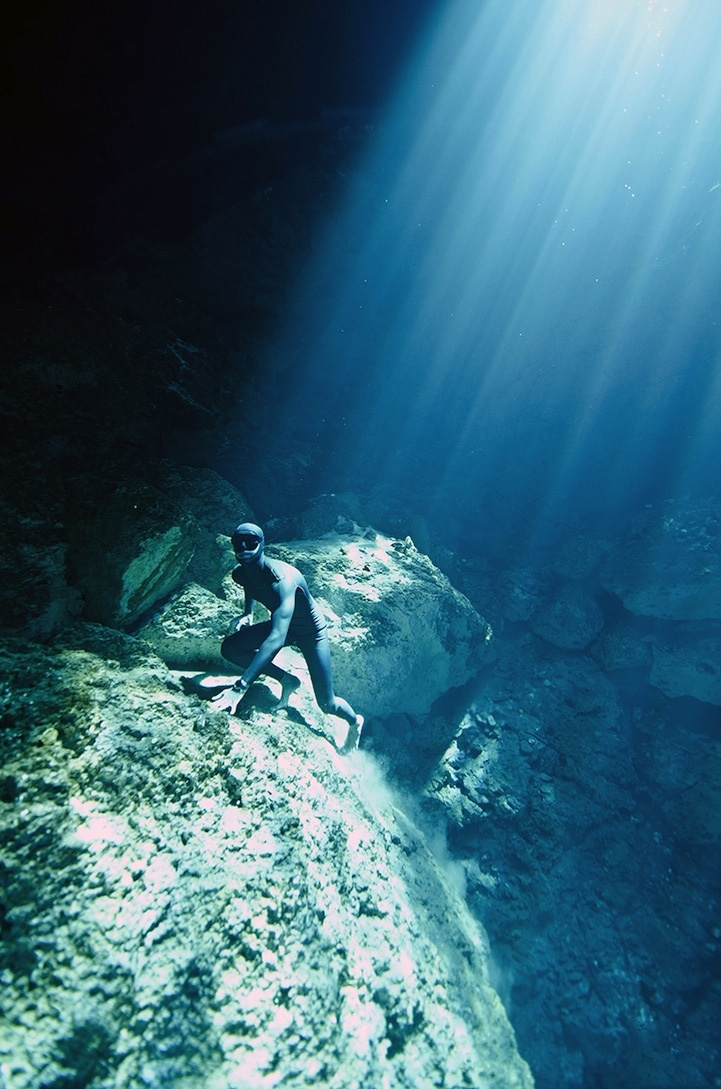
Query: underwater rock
[(195, 899), (584, 828), (187, 632), (130, 552), (217, 507), (687, 662), (624, 645), (519, 753), (668, 564), (331, 513), (35, 599), (401, 635), (682, 768), (568, 618), (523, 591), (579, 557)]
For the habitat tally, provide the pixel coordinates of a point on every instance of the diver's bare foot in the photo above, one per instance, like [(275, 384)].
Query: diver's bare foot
[(288, 686), (352, 738)]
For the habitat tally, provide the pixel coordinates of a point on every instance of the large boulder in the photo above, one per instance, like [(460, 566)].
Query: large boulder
[(188, 630), (129, 552), (687, 662), (191, 899), (668, 565), (568, 618), (215, 504), (400, 634)]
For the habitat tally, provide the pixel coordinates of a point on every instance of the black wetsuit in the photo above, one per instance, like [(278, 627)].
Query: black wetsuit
[(307, 631), (260, 584)]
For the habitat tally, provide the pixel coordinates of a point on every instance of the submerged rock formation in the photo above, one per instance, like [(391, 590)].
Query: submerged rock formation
[(193, 899), (667, 564), (401, 635), (583, 790)]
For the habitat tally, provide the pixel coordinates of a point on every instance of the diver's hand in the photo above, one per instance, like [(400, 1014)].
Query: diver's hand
[(243, 622), (227, 700)]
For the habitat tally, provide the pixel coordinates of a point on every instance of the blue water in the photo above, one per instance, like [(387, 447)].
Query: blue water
[(511, 323)]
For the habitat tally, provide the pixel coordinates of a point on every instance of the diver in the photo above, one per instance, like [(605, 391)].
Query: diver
[(294, 620)]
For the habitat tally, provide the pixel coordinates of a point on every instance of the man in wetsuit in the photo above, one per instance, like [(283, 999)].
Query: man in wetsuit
[(294, 620)]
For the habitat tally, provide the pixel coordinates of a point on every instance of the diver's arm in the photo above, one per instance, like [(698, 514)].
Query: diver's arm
[(280, 622)]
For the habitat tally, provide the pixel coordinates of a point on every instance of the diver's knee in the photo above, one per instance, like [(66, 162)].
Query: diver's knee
[(226, 648)]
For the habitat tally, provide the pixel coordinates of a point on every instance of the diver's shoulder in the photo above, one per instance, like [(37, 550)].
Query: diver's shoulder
[(281, 570)]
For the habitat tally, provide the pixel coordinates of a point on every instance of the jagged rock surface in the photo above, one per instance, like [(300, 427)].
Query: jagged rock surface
[(194, 900), (129, 552), (668, 565), (568, 618), (188, 631), (586, 826)]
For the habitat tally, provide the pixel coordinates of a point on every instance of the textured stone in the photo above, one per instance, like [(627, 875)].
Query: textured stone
[(187, 632), (568, 618), (625, 645), (400, 634), (216, 506), (130, 553), (193, 899), (687, 662), (668, 565)]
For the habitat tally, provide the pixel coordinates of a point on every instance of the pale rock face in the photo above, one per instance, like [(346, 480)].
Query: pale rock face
[(194, 899), (400, 634), (188, 631), (669, 563)]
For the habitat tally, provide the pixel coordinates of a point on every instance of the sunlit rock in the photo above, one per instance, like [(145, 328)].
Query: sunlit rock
[(568, 618), (189, 629), (669, 563), (687, 662), (196, 899), (400, 634), (129, 552)]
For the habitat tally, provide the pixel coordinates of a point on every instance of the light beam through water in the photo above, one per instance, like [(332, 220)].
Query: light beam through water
[(513, 319)]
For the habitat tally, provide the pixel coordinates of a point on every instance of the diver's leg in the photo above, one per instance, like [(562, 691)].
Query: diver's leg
[(240, 649), (317, 655)]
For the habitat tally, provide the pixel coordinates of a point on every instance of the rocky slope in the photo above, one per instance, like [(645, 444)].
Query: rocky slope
[(194, 900)]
